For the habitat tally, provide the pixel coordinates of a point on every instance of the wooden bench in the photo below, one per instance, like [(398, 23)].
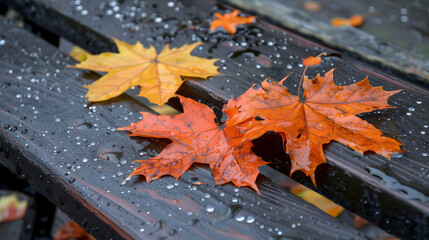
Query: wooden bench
[(68, 150)]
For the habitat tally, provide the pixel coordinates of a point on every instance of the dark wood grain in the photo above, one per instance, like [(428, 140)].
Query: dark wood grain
[(68, 149), (391, 193)]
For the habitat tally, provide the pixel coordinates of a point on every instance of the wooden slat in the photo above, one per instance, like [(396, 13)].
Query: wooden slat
[(68, 149), (354, 40), (391, 193)]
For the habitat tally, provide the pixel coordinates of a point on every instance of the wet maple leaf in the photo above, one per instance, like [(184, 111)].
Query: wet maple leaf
[(324, 113), (355, 21), (230, 21), (196, 138), (158, 75)]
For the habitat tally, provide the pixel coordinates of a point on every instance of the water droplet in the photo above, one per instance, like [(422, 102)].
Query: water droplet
[(169, 186), (119, 173), (411, 109), (422, 132), (85, 160), (250, 219), (419, 102), (141, 229), (404, 18), (409, 113), (209, 208), (239, 218), (293, 225)]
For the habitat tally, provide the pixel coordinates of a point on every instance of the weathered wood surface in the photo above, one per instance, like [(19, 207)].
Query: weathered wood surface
[(68, 149), (360, 42), (391, 193)]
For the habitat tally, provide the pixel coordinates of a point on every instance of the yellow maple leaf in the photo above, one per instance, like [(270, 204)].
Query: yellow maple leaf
[(158, 75)]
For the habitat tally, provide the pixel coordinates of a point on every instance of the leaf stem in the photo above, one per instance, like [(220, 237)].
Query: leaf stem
[(324, 54)]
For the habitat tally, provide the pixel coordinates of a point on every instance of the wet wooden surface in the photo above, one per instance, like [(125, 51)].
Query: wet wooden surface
[(394, 34), (69, 150), (391, 193)]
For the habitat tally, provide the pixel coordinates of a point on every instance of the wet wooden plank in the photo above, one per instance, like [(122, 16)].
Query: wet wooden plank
[(68, 150), (371, 45), (391, 193)]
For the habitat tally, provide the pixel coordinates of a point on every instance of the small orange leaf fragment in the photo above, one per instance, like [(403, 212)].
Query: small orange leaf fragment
[(312, 6), (359, 222), (318, 200), (199, 183), (158, 75), (310, 62), (355, 21), (230, 21)]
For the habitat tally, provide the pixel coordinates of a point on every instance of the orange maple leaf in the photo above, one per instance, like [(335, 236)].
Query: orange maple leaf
[(158, 75), (355, 21), (324, 113), (196, 138), (230, 21), (310, 61)]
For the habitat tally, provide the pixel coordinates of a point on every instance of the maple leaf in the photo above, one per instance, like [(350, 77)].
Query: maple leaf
[(158, 75), (311, 61), (324, 113), (230, 21), (355, 21), (196, 138)]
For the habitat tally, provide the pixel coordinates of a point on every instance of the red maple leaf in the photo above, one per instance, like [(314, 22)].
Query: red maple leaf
[(196, 138), (324, 113)]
